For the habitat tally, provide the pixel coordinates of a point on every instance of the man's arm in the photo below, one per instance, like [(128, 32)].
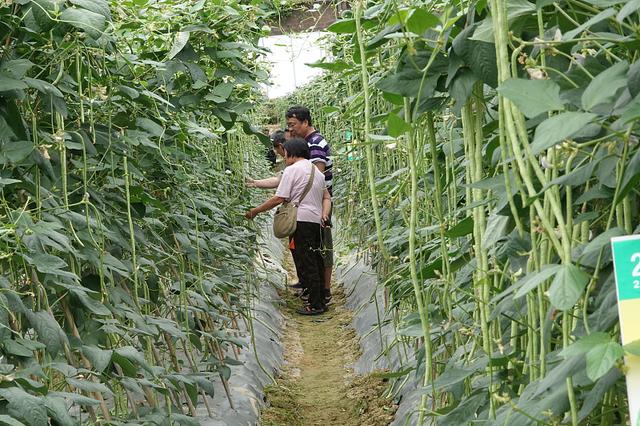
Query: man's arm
[(267, 205), (267, 183), (326, 206), (320, 165)]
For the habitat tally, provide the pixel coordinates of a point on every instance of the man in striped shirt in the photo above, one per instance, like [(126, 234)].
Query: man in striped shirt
[(300, 125)]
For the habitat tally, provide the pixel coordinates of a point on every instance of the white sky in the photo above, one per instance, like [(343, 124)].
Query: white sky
[(289, 53)]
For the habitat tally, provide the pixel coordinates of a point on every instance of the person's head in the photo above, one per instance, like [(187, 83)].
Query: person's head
[(299, 121), (278, 138), (296, 149)]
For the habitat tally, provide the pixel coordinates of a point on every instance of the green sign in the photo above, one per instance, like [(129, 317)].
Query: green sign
[(626, 260)]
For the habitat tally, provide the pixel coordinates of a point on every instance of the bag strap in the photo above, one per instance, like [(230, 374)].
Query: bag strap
[(308, 187)]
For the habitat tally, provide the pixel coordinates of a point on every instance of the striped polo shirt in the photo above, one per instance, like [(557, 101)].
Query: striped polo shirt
[(319, 151)]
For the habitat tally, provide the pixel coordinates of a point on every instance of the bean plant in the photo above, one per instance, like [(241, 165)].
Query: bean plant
[(125, 265), (486, 152)]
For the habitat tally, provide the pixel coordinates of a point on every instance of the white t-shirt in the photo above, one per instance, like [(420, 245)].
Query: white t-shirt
[(294, 180)]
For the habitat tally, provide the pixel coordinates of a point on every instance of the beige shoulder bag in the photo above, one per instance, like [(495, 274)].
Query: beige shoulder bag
[(286, 218)]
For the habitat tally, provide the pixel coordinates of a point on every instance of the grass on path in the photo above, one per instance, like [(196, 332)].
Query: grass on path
[(317, 386)]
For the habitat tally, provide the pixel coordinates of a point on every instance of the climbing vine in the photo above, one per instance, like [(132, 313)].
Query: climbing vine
[(495, 145), (125, 266)]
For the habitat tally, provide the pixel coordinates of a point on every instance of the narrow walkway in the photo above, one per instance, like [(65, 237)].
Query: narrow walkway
[(316, 386)]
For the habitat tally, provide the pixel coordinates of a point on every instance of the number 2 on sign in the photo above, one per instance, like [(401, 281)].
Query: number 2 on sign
[(635, 257)]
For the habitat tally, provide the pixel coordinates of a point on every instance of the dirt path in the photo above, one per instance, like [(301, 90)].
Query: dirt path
[(316, 386)]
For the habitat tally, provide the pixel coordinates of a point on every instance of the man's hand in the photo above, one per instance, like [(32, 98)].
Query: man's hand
[(251, 183), (250, 214)]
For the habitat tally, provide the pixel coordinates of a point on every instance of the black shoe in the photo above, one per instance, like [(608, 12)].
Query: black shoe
[(308, 310), (327, 297), (296, 286)]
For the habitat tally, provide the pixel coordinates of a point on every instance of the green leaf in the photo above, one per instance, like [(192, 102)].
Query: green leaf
[(220, 93), (97, 6), (16, 68), (150, 126), (50, 264), (49, 331), (558, 128), (9, 83), (396, 125), (605, 14), (15, 348), (45, 10), (92, 23), (464, 413), (631, 177), (15, 151), (88, 386), (462, 228), (532, 97), (57, 409), (421, 20), (533, 280), (515, 9), (633, 348), (99, 358), (90, 303), (407, 82), (629, 8), (604, 87), (10, 421), (43, 87), (179, 42), (130, 353), (335, 66), (602, 358), (585, 344), (343, 26), (567, 287), (7, 181), (75, 398), (25, 407)]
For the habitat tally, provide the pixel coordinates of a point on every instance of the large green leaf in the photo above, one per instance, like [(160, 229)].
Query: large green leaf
[(602, 358), (605, 14), (558, 128), (15, 151), (44, 12), (605, 86), (585, 344), (57, 409), (421, 20), (43, 86), (407, 83), (50, 264), (88, 385), (179, 42), (567, 287), (49, 331), (25, 407), (97, 6), (532, 97), (92, 23), (343, 26), (533, 280), (9, 83), (396, 125)]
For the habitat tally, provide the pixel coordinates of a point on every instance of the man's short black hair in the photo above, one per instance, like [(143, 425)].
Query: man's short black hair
[(277, 137), (301, 113), (297, 147)]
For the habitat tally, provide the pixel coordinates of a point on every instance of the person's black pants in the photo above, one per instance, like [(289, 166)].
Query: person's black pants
[(308, 260)]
